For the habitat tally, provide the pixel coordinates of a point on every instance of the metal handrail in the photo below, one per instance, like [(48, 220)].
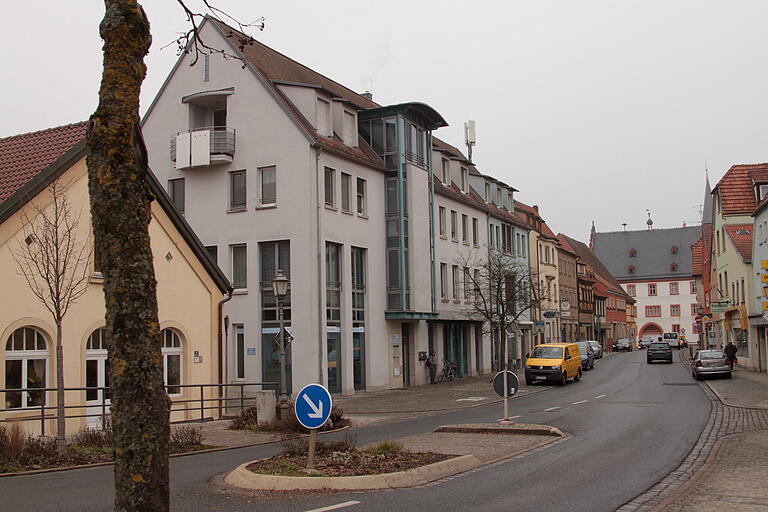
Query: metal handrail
[(222, 402)]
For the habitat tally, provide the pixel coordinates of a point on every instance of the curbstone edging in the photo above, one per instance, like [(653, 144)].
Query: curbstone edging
[(243, 478), (539, 430)]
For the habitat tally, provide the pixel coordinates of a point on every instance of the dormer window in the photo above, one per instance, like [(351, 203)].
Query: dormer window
[(631, 269), (673, 267), (348, 129), (632, 253), (487, 192), (323, 117), (464, 180), (674, 249), (762, 192), (509, 201), (446, 171), (498, 197)]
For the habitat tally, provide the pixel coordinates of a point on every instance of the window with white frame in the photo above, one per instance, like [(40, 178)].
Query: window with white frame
[(323, 117), (455, 281), (487, 192), (26, 363), (348, 130), (441, 220), (239, 266), (454, 217), (345, 191), (176, 191), (237, 190), (692, 285), (172, 352), (674, 288), (268, 185), (445, 172), (443, 281), (464, 180), (464, 228), (330, 187), (475, 231), (674, 310), (362, 201)]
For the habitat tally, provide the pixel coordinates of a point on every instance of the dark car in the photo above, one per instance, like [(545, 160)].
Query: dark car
[(622, 345), (710, 362), (587, 355), (659, 351)]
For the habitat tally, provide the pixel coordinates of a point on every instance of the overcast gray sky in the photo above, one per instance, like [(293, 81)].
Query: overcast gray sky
[(594, 110)]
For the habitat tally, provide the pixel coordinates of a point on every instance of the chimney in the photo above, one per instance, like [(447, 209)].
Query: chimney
[(367, 95), (536, 208)]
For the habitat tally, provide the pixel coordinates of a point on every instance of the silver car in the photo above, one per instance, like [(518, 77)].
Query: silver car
[(709, 362), (597, 348)]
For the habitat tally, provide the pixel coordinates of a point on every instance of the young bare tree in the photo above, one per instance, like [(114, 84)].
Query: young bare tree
[(54, 259), (503, 290), (120, 211)]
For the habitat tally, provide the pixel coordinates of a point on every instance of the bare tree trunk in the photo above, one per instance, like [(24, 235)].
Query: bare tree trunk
[(120, 208), (61, 422)]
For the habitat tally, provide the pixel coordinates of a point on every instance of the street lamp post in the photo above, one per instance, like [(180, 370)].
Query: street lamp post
[(280, 288)]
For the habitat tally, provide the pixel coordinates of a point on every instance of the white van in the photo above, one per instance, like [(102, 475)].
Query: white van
[(673, 339)]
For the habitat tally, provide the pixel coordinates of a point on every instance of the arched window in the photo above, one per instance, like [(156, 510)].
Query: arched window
[(97, 374), (26, 361), (172, 359), (97, 340)]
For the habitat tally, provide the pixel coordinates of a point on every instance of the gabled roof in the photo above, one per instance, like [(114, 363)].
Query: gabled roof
[(649, 252), (24, 156), (736, 188), (29, 180), (601, 272), (741, 236), (564, 245)]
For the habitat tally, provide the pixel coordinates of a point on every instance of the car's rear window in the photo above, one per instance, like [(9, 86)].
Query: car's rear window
[(547, 352), (659, 345), (711, 354)]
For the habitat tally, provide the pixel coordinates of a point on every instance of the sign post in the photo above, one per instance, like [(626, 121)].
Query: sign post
[(313, 408), (506, 384)]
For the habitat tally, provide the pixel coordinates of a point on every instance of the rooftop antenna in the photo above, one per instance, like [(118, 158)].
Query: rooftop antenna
[(649, 222), (624, 225), (470, 139)]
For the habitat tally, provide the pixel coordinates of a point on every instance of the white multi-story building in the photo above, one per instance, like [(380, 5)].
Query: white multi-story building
[(277, 167), (655, 267)]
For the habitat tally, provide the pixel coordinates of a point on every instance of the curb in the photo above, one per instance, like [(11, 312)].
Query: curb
[(245, 479), (241, 477), (720, 397), (171, 456), (458, 408)]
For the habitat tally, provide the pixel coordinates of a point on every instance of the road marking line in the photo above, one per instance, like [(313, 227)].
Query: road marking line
[(601, 396), (551, 409), (580, 402), (510, 418), (335, 507)]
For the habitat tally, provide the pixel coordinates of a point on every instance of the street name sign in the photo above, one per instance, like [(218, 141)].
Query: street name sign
[(313, 406), (719, 307), (513, 383)]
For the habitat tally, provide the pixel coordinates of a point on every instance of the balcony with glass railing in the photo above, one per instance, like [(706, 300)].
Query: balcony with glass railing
[(202, 147)]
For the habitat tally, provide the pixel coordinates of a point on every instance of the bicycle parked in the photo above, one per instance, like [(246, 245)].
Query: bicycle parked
[(449, 371)]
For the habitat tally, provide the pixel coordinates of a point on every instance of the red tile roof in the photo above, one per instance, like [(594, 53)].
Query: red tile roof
[(563, 243), (23, 156), (736, 188), (741, 236), (697, 257)]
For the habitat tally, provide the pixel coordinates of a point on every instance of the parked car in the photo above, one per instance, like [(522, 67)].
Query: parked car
[(710, 362), (673, 339), (587, 355), (597, 348), (645, 341), (659, 351), (622, 345), (553, 362)]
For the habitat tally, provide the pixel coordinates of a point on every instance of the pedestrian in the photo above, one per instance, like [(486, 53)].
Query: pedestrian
[(432, 366), (730, 353)]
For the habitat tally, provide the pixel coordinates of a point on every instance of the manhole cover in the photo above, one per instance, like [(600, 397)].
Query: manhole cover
[(680, 384)]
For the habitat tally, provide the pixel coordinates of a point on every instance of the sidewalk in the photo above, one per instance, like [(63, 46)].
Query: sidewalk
[(734, 474)]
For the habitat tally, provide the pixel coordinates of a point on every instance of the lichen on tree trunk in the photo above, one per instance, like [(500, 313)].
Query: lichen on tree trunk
[(120, 209)]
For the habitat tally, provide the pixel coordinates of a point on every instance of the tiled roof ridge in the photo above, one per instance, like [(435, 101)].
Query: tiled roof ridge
[(691, 226), (40, 132)]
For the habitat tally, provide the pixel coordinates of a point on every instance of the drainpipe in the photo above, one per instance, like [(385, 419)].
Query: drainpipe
[(432, 241), (222, 358), (320, 310)]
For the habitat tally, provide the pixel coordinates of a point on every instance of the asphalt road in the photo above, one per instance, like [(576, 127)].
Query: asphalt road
[(631, 424)]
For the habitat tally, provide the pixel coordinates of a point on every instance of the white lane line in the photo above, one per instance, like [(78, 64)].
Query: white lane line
[(551, 409), (601, 396), (510, 418), (580, 402), (334, 507)]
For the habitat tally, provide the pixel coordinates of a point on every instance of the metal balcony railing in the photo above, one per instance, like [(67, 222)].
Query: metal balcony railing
[(183, 396), (221, 140)]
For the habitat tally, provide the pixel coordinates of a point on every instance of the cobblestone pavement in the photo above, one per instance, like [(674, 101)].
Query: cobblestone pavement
[(724, 420)]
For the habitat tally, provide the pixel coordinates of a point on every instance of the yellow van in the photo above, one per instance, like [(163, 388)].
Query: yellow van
[(553, 362)]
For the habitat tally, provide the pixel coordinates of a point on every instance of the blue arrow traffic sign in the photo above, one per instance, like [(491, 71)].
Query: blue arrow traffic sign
[(313, 406)]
